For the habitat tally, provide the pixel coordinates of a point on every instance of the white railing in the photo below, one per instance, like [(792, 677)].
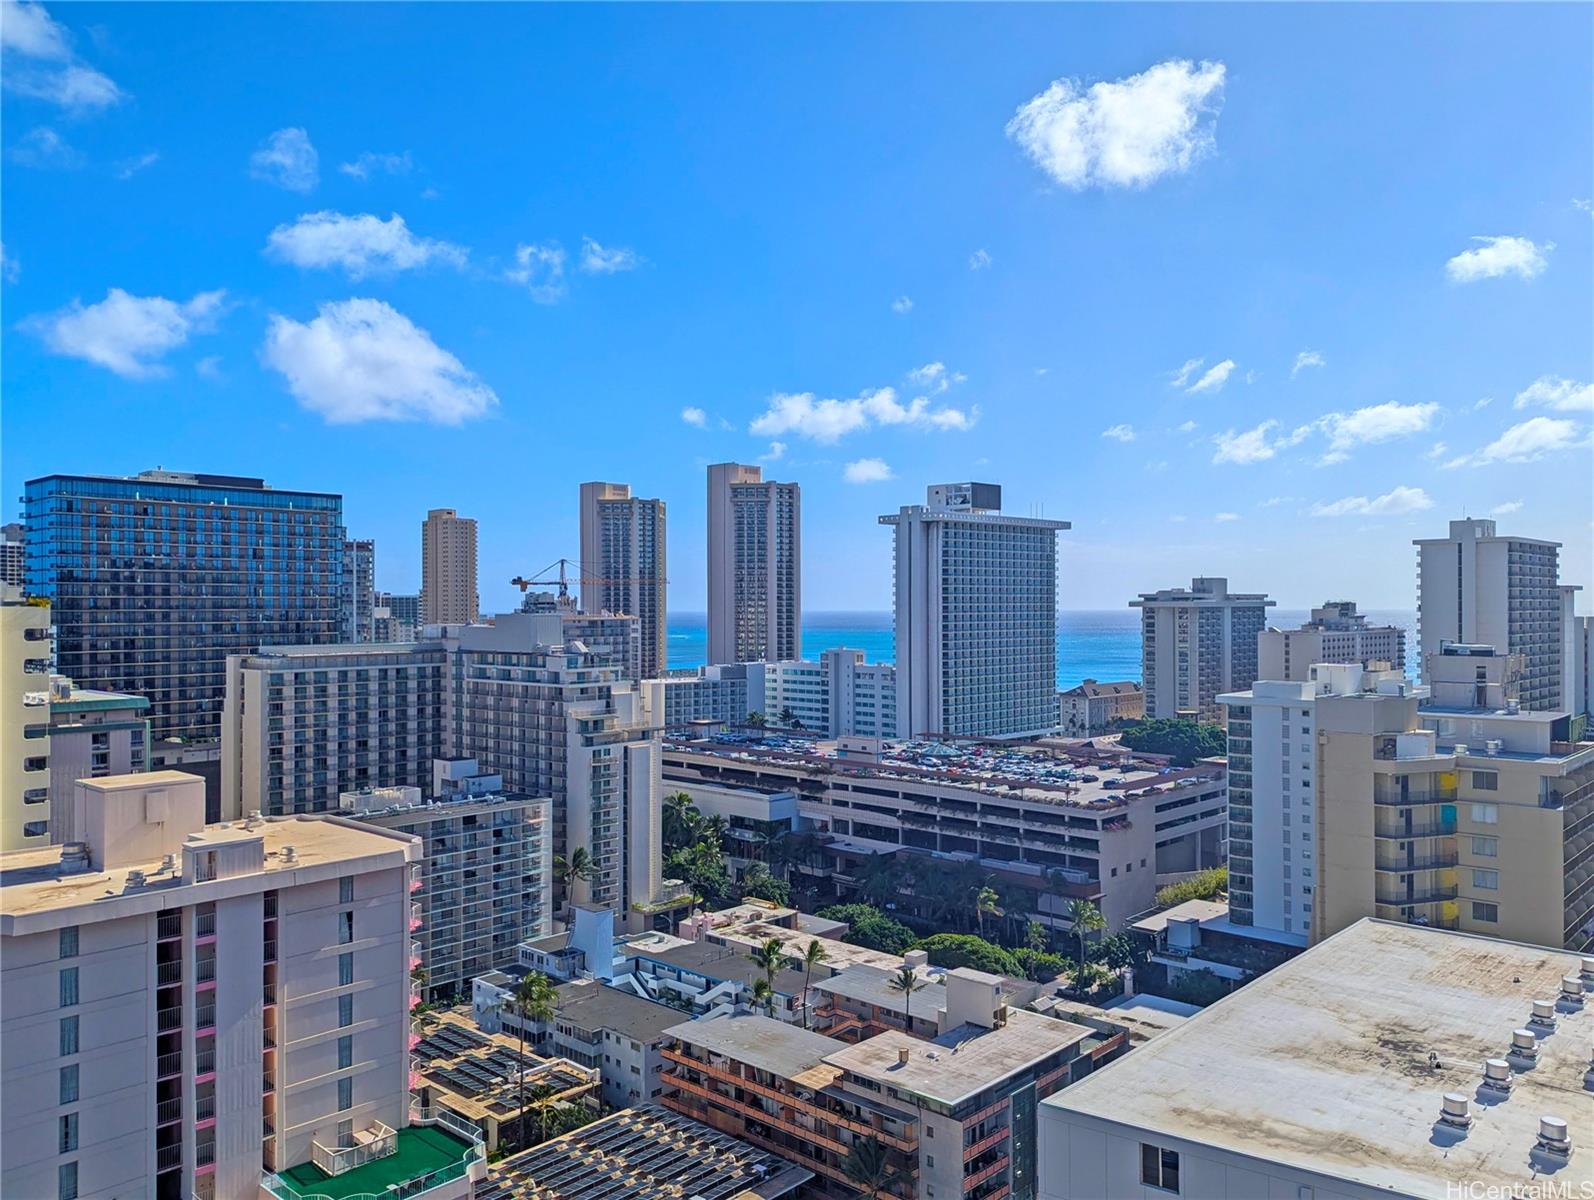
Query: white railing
[(382, 1141), (450, 1121)]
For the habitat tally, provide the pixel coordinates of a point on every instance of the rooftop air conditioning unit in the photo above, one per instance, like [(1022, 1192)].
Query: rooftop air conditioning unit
[(1492, 746)]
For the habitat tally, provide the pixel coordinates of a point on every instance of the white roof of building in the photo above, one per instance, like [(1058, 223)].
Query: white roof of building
[(1323, 1065)]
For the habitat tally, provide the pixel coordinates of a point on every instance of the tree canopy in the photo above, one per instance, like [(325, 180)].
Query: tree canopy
[(871, 928), (1182, 741), (966, 950)]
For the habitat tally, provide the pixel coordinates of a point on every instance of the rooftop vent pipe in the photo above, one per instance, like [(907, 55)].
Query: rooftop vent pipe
[(1554, 1137), (1455, 1111), (1497, 1075), (287, 855), (1572, 989), (1543, 1014), (1524, 1044)]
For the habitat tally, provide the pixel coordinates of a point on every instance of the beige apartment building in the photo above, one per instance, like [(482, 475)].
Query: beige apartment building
[(1356, 794), (25, 635), (755, 569), (1336, 633), (208, 1011), (448, 568), (623, 565)]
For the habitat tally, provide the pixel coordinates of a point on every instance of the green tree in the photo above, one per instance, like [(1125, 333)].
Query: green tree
[(869, 1168), (906, 981), (702, 866), (682, 821), (1040, 965), (758, 882), (985, 905), (813, 954), (757, 719), (764, 994), (966, 950), (880, 879), (1119, 950), (1201, 987), (1206, 885), (535, 999), (867, 926), (1084, 919), (770, 955), (1182, 741), (578, 868), (1035, 936)]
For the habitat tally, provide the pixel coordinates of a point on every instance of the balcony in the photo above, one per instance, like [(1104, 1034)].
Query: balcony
[(1405, 864), (168, 972), (168, 1111), (436, 1149), (168, 1157)]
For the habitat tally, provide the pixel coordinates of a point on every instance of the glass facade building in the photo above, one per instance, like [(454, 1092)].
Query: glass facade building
[(154, 579)]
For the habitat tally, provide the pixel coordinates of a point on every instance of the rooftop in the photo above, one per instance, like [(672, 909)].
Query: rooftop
[(594, 1005), (775, 1046), (839, 955), (1200, 910), (32, 882), (477, 1074), (423, 1151), (963, 1061), (643, 1153), (719, 962), (1323, 1064)]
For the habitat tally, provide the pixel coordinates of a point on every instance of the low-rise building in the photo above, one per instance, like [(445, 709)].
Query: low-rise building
[(92, 734), (1092, 708), (1386, 1061), (837, 695), (1336, 633), (720, 694)]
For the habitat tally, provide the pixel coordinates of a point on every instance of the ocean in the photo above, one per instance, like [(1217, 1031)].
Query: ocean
[(1104, 646)]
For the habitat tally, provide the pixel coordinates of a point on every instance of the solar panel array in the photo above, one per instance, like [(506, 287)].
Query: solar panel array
[(450, 1041)]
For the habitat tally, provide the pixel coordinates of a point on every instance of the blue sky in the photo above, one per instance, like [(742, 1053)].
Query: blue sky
[(1366, 228)]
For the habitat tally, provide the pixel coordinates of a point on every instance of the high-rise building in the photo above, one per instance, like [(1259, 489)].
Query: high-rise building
[(1358, 794), (1480, 588), (839, 695), (25, 727), (155, 579), (755, 574), (722, 694), (1197, 644), (976, 615), (448, 569), (359, 589), (623, 565), (1336, 633), (554, 719), (92, 734), (615, 636), (486, 870), (13, 543), (184, 1007)]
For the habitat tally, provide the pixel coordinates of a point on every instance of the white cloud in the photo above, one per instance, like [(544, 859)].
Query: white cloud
[(827, 420), (369, 163), (776, 451), (1119, 433), (1483, 404), (1506, 509), (209, 367), (867, 470), (45, 148), (1128, 133), (935, 378), (979, 260), (1377, 423), (1307, 358), (41, 63), (1256, 445), (124, 333), (287, 159), (902, 304), (1437, 450), (130, 167), (10, 268), (1529, 441), (359, 245), (1214, 379), (1275, 501), (607, 260), (362, 360), (1562, 395), (1393, 503), (1225, 517), (1584, 206), (1182, 376), (1498, 256), (693, 415), (540, 269), (1188, 427)]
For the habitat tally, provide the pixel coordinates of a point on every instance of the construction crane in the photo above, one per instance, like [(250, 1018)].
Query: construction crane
[(546, 576)]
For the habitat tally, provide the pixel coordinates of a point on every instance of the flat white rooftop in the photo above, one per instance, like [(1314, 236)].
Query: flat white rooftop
[(1323, 1065)]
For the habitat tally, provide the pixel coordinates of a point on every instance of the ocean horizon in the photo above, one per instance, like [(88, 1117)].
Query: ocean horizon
[(1103, 645)]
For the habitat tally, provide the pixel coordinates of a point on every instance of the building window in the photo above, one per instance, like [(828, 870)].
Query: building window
[(346, 890), (69, 942), (68, 1132), (1486, 847), (345, 1052), (1159, 1168), (68, 987), (1488, 880), (1486, 781), (345, 928), (68, 1035), (1485, 814), (69, 1084), (1484, 910), (345, 970), (345, 1011), (66, 1181), (345, 1094)]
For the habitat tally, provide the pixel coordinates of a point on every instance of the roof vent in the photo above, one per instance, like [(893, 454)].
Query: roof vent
[(1524, 1044), (1588, 968), (1572, 989), (1460, 747), (74, 858), (135, 881), (169, 863), (1455, 1111), (1492, 747), (1497, 1075), (1554, 1137), (253, 820), (1543, 1014), (902, 1056), (287, 855)]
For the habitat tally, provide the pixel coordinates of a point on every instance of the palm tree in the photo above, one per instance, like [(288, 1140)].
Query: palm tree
[(787, 717), (681, 821), (985, 905), (764, 993), (813, 953), (870, 1169), (770, 838), (1084, 918), (545, 1101), (771, 956), (578, 868), (535, 1000), (880, 879), (757, 719), (906, 981)]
